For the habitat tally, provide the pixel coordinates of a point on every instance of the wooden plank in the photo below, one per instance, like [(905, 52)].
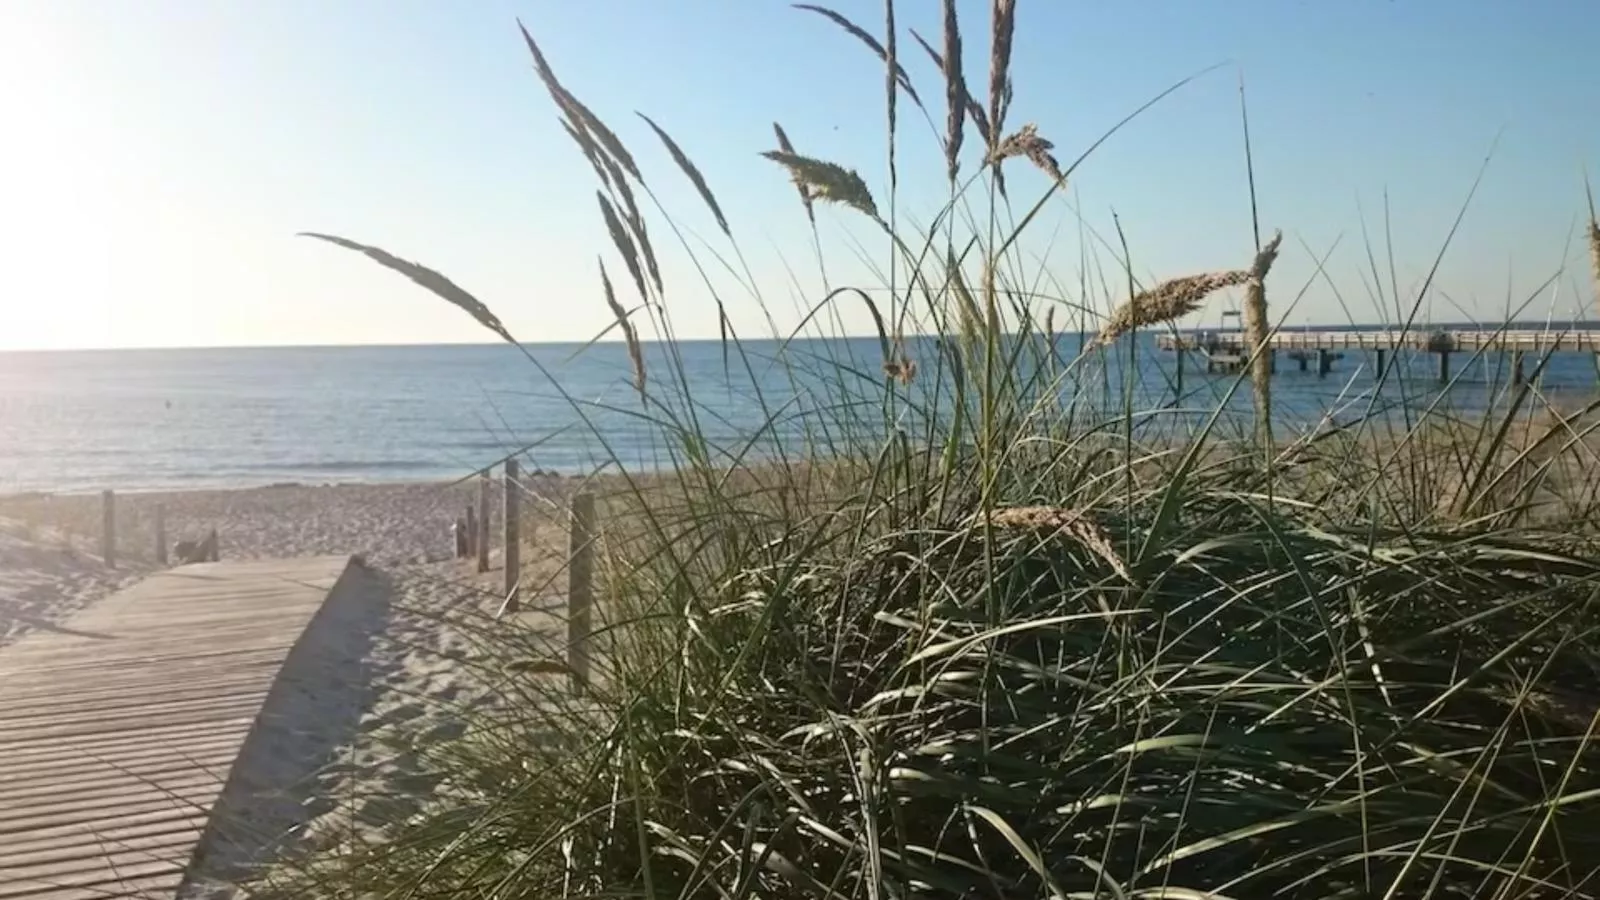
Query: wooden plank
[(122, 727), (512, 536)]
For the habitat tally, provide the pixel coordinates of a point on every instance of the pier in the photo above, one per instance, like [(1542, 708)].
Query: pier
[(1225, 351)]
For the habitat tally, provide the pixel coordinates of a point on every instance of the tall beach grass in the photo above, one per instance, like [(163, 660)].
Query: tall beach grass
[(992, 630)]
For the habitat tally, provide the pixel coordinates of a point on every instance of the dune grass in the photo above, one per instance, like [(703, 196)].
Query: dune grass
[(993, 630)]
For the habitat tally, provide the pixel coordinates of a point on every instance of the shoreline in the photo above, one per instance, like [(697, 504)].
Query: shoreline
[(201, 486)]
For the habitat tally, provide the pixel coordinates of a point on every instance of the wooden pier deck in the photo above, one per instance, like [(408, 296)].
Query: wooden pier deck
[(1525, 340), (119, 730), (1225, 350)]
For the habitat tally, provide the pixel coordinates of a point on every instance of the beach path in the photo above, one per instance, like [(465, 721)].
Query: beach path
[(118, 730)]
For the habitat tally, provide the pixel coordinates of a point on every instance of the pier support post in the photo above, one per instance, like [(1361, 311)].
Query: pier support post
[(580, 589), (1272, 361), (1324, 362), (1303, 360), (1380, 353), (1444, 366), (1517, 375), (513, 537), (108, 528), (161, 534), (1177, 385), (481, 542)]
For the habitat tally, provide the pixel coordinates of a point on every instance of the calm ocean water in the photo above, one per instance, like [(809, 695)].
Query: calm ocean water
[(149, 419)]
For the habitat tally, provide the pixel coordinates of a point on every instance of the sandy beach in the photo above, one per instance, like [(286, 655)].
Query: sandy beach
[(384, 670)]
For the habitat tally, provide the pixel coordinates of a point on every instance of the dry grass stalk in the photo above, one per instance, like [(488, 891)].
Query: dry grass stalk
[(692, 172), (439, 285), (805, 195), (1026, 142), (1594, 255), (624, 244), (991, 297), (823, 180), (966, 304), (1594, 244), (892, 65), (898, 73), (586, 127), (1167, 301), (974, 109), (955, 90), (632, 218), (1255, 330), (1069, 523), (629, 333), (612, 177), (903, 369), (1003, 23)]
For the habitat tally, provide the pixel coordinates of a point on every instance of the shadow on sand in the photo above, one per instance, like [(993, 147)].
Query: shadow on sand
[(314, 708)]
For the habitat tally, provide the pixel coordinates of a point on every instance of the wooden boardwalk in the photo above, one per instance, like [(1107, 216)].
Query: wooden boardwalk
[(119, 730)]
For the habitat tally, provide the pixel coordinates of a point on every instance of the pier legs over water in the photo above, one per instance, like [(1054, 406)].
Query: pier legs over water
[(1517, 376), (1444, 366), (1324, 362)]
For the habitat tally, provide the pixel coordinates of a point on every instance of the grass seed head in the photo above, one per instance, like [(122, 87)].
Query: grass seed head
[(1026, 142), (1168, 301), (822, 180)]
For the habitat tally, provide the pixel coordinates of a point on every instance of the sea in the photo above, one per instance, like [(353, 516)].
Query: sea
[(134, 420)]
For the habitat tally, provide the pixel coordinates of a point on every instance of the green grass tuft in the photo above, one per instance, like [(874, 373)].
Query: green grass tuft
[(991, 630)]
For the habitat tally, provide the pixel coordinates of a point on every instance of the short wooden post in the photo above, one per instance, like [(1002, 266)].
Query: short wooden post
[(482, 540), (580, 589), (211, 544), (161, 534), (108, 528), (513, 540), (469, 544), (1444, 366), (1517, 376)]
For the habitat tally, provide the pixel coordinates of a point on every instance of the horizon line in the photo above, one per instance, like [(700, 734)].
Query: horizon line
[(1547, 325)]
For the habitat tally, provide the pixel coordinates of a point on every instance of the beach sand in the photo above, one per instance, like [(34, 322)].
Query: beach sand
[(385, 670)]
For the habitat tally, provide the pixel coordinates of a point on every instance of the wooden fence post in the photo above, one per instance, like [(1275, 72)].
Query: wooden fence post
[(513, 540), (580, 589), (161, 534), (482, 540), (108, 528)]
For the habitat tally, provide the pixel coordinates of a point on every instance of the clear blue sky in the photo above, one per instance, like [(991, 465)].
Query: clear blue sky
[(159, 157)]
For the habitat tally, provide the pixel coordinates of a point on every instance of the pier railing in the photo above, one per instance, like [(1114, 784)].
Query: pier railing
[(1432, 341), (1226, 350), (548, 537)]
